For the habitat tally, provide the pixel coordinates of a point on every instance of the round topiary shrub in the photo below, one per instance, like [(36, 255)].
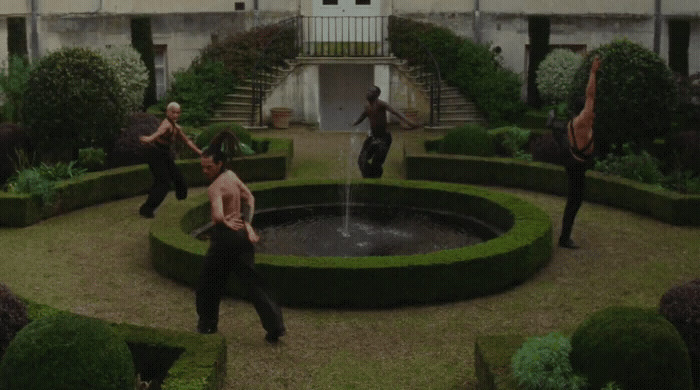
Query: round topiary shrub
[(637, 348), (131, 73), (470, 140), (635, 96), (13, 317), (66, 352), (73, 101), (555, 74), (681, 306)]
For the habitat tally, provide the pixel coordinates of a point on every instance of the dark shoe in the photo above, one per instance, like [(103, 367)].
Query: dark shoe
[(273, 338), (568, 243), (146, 212), (206, 329)]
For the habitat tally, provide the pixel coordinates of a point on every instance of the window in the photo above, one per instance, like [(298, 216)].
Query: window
[(17, 37), (363, 2), (330, 2), (239, 6), (161, 67), (678, 44)]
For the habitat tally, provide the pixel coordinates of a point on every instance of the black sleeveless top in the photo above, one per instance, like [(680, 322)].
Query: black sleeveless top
[(575, 150)]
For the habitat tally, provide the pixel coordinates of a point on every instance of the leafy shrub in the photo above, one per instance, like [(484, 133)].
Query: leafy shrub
[(204, 138), (513, 140), (131, 73), (681, 306), (641, 167), (30, 181), (546, 148), (13, 139), (637, 348), (542, 363), (635, 96), (555, 74), (471, 140), (73, 101), (13, 85), (13, 317), (471, 67), (91, 159), (66, 351), (688, 114), (128, 150), (685, 146), (199, 89), (686, 182)]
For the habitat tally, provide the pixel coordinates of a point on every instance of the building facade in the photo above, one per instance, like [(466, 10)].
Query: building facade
[(181, 28)]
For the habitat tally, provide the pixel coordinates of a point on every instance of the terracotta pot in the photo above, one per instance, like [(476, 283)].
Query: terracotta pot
[(280, 117)]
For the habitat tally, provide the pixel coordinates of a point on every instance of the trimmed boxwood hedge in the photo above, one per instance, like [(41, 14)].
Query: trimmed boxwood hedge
[(653, 201), (386, 281), (200, 362), (19, 210)]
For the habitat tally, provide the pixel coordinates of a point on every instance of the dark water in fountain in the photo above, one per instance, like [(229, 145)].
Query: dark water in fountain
[(314, 231)]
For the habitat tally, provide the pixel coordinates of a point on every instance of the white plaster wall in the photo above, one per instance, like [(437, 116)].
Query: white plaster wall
[(14, 7), (405, 95), (694, 52), (299, 91), (547, 7), (3, 43), (432, 6)]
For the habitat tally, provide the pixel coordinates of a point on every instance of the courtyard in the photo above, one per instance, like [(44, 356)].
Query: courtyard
[(96, 262)]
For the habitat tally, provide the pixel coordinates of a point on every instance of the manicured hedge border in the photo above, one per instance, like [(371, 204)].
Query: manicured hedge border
[(18, 210), (658, 203), (200, 366), (368, 282)]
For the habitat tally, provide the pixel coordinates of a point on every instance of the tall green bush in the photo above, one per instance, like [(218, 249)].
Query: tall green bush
[(199, 89), (142, 41), (13, 86), (555, 75), (635, 96), (67, 352), (681, 306), (131, 73), (73, 101), (637, 348), (13, 317)]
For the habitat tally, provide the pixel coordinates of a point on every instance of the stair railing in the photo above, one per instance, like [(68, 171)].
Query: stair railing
[(263, 75)]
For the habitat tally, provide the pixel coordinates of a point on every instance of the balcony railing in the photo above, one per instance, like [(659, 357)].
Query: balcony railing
[(344, 36)]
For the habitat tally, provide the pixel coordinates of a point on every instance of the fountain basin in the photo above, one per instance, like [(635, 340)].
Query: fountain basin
[(372, 281)]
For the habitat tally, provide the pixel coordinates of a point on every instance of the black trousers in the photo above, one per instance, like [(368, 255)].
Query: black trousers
[(164, 171), (576, 187), (373, 154), (231, 251)]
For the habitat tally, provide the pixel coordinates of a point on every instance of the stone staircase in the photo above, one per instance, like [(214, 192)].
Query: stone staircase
[(237, 107), (455, 108)]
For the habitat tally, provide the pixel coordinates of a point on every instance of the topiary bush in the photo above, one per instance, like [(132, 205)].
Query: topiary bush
[(205, 136), (471, 140), (13, 86), (131, 73), (14, 142), (637, 348), (128, 150), (635, 97), (542, 363), (685, 147), (13, 317), (681, 306), (555, 75), (66, 352), (73, 101), (641, 166), (546, 148)]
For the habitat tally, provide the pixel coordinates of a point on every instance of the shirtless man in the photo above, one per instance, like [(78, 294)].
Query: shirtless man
[(231, 248), (580, 136), (376, 146), (161, 160)]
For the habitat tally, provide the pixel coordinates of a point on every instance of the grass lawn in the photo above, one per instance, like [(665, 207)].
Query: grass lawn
[(95, 262)]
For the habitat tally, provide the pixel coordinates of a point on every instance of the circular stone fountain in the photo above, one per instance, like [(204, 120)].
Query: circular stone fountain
[(516, 244)]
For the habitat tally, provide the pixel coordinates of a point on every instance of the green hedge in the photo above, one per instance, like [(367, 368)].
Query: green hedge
[(201, 364), (386, 281), (653, 201), (18, 210)]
